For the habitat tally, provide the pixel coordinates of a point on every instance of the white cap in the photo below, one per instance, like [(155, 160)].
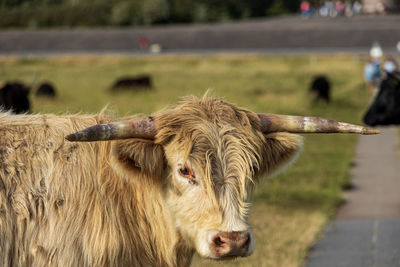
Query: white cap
[(376, 50)]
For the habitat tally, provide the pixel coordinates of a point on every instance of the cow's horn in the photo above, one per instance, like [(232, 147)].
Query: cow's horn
[(297, 124), (133, 128)]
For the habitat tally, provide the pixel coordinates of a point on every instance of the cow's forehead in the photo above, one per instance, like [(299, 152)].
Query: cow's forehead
[(219, 140), (217, 135), (194, 112), (226, 154)]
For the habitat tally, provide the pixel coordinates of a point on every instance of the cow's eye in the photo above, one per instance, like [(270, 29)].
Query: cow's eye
[(183, 171), (186, 172)]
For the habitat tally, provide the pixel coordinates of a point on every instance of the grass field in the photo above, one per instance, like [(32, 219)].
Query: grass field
[(290, 210)]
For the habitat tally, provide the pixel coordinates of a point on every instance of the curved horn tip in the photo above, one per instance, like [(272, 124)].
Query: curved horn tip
[(71, 137), (368, 131)]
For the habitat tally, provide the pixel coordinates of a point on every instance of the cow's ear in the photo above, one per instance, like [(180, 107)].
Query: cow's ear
[(280, 150), (139, 156)]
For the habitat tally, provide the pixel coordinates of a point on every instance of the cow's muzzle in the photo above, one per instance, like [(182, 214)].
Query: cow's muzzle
[(226, 245)]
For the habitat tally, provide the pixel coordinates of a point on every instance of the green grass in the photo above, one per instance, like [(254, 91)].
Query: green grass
[(290, 210)]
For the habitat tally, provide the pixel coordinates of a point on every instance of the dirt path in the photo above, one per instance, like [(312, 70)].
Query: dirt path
[(366, 231)]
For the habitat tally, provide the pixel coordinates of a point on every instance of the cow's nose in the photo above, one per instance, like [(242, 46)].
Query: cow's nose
[(232, 244)]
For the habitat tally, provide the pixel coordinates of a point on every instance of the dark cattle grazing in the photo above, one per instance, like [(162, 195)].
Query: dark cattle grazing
[(133, 82), (385, 108), (320, 88), (14, 96), (46, 89)]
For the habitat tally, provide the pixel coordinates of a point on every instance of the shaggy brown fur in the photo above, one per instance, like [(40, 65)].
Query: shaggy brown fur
[(122, 203)]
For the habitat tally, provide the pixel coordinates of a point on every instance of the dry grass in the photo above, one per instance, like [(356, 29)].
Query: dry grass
[(290, 210)]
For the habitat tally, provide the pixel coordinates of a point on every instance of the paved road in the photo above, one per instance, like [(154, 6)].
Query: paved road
[(283, 35), (366, 231)]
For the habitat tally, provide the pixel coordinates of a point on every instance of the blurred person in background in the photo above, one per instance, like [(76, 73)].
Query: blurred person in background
[(331, 9), (357, 8), (324, 11), (143, 43), (339, 6), (306, 9), (348, 10), (390, 64), (372, 74)]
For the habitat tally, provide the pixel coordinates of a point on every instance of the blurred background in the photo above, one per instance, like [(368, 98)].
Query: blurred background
[(95, 13), (316, 58)]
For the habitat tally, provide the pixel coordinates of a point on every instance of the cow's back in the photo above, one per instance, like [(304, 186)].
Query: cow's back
[(37, 172), (66, 204)]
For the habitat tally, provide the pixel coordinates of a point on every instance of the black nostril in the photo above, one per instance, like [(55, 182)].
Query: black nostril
[(218, 241)]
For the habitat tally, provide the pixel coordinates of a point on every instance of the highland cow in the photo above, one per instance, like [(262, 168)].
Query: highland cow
[(139, 191), (385, 109), (46, 89), (14, 96), (321, 88), (132, 83)]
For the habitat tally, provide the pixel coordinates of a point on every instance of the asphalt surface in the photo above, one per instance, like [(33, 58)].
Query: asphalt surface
[(366, 231), (359, 243), (273, 35)]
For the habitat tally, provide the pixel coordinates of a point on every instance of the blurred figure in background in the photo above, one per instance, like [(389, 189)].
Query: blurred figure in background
[(143, 43), (357, 8), (390, 64), (306, 9), (339, 6), (331, 9), (324, 11), (372, 70), (348, 10), (372, 73)]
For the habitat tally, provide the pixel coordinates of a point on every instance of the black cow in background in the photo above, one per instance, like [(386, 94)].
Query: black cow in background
[(132, 82), (14, 96), (46, 89), (321, 88), (385, 108)]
